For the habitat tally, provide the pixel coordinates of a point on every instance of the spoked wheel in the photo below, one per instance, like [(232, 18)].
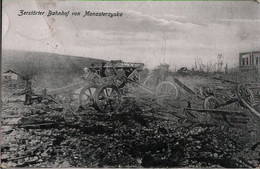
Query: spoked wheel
[(244, 95), (108, 98), (212, 103), (165, 93), (152, 81), (246, 99), (86, 97)]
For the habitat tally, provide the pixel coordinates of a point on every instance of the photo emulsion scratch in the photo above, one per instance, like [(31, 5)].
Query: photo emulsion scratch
[(130, 84)]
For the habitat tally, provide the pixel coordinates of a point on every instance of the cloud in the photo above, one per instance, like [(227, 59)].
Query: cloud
[(132, 21), (247, 29), (252, 21), (157, 23)]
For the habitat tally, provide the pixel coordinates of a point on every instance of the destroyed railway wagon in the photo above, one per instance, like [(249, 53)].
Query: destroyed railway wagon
[(115, 80), (104, 87)]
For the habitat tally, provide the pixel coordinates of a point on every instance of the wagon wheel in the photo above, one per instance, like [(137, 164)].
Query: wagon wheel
[(86, 97), (107, 98), (211, 103), (166, 92), (244, 93), (152, 81), (149, 81)]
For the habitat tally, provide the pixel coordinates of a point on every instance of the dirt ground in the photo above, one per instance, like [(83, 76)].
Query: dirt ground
[(142, 134)]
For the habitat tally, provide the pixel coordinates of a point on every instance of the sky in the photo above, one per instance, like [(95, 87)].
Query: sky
[(175, 33)]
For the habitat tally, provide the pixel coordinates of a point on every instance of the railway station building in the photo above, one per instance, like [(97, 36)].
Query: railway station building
[(249, 66)]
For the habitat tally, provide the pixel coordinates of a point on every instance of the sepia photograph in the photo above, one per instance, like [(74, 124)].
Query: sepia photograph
[(130, 84)]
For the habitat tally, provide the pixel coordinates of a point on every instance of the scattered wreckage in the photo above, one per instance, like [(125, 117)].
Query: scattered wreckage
[(216, 97), (106, 84)]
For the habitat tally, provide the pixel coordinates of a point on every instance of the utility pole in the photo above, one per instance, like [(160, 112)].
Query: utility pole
[(220, 62)]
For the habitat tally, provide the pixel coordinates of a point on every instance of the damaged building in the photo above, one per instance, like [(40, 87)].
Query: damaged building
[(249, 66)]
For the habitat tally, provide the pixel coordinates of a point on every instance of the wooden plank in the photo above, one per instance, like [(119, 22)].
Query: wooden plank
[(66, 88), (252, 109), (215, 111), (223, 80)]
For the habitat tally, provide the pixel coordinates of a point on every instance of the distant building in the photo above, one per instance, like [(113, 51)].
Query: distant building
[(249, 60), (116, 61), (10, 75), (249, 66)]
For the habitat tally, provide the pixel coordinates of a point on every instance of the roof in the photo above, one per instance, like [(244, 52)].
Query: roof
[(254, 52), (11, 71)]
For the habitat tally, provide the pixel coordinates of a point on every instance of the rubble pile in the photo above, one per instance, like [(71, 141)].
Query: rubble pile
[(140, 135)]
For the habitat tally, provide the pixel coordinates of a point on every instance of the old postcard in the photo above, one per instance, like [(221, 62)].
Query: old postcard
[(130, 84)]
